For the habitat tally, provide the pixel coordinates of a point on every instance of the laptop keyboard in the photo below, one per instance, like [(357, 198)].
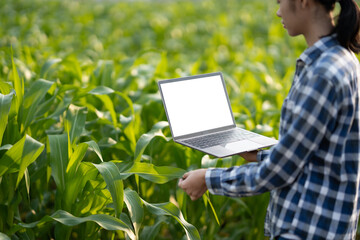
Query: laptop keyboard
[(220, 138)]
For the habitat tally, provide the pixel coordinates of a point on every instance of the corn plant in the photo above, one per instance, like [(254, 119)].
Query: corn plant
[(89, 192)]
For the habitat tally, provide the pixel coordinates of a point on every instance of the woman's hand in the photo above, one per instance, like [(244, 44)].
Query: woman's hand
[(193, 183), (249, 156)]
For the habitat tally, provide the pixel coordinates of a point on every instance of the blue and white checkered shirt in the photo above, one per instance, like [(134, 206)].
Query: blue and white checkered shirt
[(313, 173)]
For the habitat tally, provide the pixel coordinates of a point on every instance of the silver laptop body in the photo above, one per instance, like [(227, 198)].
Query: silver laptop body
[(200, 116)]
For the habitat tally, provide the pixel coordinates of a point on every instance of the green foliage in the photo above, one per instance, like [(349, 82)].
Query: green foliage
[(105, 221), (85, 149), (5, 103)]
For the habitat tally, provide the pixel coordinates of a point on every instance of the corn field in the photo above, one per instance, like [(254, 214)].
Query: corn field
[(85, 147)]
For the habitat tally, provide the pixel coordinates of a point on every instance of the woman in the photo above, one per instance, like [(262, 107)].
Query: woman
[(313, 173)]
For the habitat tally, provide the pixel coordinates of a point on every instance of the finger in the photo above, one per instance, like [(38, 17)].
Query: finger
[(185, 175), (180, 184)]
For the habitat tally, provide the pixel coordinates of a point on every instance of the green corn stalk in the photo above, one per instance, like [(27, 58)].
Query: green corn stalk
[(68, 171), (59, 158), (70, 174)]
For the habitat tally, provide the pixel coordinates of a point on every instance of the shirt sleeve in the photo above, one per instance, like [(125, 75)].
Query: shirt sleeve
[(313, 111)]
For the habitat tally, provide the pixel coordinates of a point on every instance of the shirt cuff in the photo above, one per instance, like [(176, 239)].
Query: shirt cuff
[(261, 155), (213, 180)]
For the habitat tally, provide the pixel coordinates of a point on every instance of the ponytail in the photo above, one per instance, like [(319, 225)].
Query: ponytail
[(348, 25)]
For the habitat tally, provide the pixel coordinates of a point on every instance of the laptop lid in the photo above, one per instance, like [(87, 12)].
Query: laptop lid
[(196, 105)]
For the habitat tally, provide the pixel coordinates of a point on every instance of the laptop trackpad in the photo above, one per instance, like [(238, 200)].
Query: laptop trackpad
[(243, 146), (265, 140)]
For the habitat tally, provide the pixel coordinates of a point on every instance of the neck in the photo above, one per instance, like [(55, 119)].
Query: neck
[(323, 25)]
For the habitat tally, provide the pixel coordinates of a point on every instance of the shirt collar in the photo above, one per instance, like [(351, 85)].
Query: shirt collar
[(313, 52)]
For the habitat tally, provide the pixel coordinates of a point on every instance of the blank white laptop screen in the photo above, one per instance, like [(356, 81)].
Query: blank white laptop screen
[(196, 105)]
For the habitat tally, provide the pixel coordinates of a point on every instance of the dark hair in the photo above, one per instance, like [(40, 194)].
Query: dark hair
[(348, 23)]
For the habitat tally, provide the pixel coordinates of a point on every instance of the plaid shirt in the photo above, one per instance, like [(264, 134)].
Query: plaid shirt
[(313, 172)]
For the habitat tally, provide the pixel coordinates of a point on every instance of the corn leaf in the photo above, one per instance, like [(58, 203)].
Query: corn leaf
[(20, 156), (61, 107), (78, 155), (4, 236), (5, 104), (103, 72), (5, 147), (77, 173), (46, 104), (135, 207), (75, 117), (76, 158), (109, 105), (151, 232), (169, 209), (95, 147), (32, 100), (47, 65), (148, 171), (30, 152), (76, 179), (112, 177), (101, 90), (156, 174), (27, 182), (206, 198), (146, 138), (130, 128), (5, 88), (18, 84), (102, 93), (105, 221), (59, 159), (163, 65)]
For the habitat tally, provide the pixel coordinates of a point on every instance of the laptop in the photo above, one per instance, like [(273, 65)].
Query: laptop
[(200, 116)]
